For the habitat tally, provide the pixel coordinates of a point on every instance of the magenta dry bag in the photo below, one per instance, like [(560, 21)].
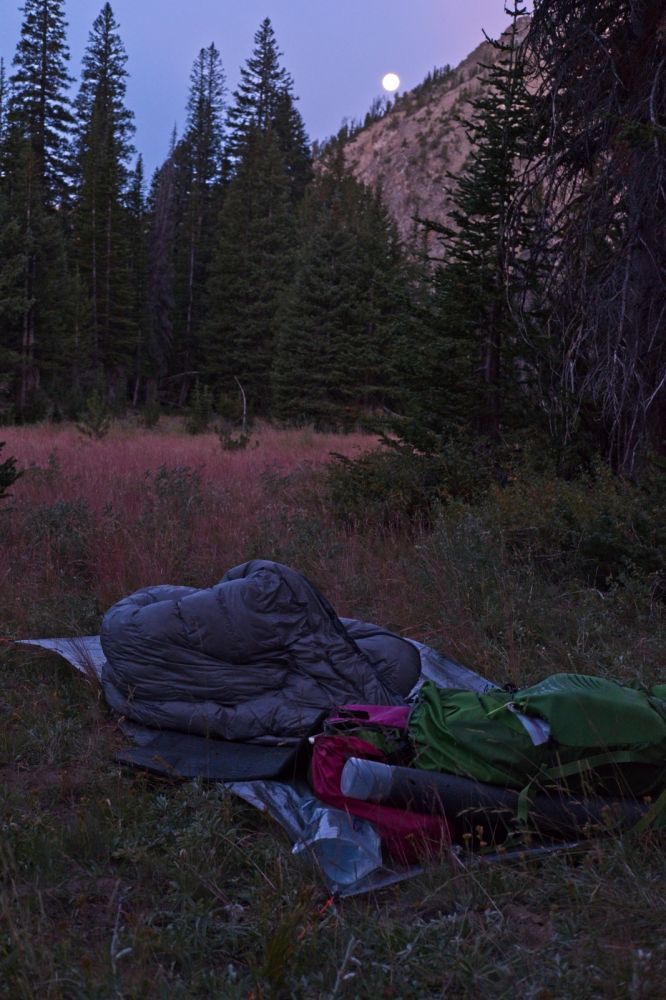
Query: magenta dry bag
[(408, 836)]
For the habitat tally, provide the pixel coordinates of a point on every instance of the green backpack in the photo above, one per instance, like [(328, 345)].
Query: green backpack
[(586, 734)]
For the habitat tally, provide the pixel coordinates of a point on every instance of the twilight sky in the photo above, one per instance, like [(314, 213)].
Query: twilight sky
[(336, 50)]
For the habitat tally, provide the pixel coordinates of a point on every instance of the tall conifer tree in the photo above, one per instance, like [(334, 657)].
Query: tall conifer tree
[(338, 327), (14, 303), (161, 241), (138, 275), (11, 265), (35, 124), (257, 96), (39, 105), (252, 264), (250, 273), (198, 164), (104, 145), (4, 101), (294, 144), (264, 101), (466, 375), (36, 295)]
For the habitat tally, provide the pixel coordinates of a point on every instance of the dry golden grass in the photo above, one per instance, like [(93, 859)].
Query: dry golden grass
[(140, 507)]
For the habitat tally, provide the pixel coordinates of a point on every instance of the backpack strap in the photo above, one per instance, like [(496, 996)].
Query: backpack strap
[(585, 764), (656, 811)]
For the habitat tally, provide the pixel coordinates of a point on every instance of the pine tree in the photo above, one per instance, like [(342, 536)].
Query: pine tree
[(4, 102), (104, 132), (198, 164), (13, 301), (161, 239), (138, 277), (257, 97), (36, 297), (39, 105), (34, 305), (250, 273), (466, 373), (252, 263), (338, 326), (294, 144), (35, 120), (205, 105), (264, 102)]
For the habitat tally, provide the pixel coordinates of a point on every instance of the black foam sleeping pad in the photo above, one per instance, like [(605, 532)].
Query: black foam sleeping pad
[(178, 755)]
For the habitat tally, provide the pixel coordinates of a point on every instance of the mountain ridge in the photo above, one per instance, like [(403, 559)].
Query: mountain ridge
[(409, 153)]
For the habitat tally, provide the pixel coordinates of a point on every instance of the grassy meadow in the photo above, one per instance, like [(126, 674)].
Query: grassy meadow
[(118, 884)]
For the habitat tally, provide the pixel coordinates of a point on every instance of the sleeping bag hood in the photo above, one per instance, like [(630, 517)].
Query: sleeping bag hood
[(260, 654)]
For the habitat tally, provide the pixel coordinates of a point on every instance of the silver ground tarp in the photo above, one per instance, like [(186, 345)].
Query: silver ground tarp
[(346, 848)]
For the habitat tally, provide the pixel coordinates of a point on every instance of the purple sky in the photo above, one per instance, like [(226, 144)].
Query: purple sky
[(336, 50)]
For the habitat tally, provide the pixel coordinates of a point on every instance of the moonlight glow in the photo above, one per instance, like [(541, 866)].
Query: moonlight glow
[(391, 82)]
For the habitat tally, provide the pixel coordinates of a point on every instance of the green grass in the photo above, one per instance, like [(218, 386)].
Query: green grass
[(117, 884)]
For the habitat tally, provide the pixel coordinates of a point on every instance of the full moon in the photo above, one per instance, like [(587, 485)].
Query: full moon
[(391, 82)]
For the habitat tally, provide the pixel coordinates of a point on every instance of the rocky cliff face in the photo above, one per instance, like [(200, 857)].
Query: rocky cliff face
[(410, 151)]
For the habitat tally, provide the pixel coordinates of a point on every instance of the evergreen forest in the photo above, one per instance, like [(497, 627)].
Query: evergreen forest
[(249, 276)]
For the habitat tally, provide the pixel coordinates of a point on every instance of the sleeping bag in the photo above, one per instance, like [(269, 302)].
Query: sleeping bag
[(260, 654)]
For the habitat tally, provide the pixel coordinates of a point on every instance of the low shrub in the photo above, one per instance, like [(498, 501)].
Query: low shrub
[(594, 527), (400, 484), (598, 528), (174, 496), (234, 442), (95, 418), (8, 473), (383, 487), (61, 536), (201, 410)]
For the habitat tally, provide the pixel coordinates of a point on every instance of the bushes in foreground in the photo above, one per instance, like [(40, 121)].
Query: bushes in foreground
[(594, 527), (8, 473)]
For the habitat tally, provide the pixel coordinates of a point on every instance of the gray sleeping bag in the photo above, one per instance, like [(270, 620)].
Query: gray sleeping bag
[(261, 653)]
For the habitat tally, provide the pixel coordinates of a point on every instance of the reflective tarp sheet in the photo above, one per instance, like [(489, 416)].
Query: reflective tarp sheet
[(347, 849)]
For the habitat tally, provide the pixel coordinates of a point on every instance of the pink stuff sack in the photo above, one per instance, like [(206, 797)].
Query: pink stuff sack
[(391, 716), (407, 836)]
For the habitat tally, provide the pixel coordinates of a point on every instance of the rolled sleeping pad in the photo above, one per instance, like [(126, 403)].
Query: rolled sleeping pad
[(472, 804)]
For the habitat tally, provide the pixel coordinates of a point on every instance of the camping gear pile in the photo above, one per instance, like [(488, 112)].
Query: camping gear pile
[(573, 754), (373, 751)]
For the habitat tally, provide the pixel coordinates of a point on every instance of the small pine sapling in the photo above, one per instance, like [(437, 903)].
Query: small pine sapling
[(94, 420), (201, 410), (8, 474)]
